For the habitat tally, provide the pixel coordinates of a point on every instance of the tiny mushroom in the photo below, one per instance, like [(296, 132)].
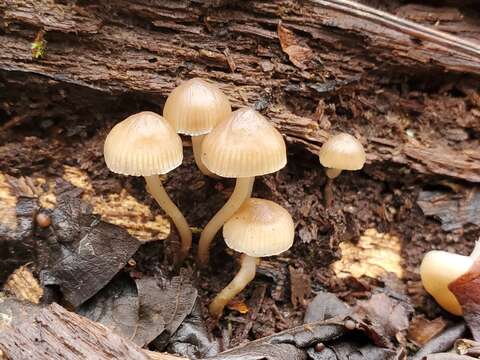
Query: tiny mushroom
[(259, 228), (194, 108), (242, 146), (146, 145), (439, 269), (341, 152)]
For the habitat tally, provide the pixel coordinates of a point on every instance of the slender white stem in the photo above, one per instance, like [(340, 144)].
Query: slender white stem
[(197, 155), (333, 173), (156, 189), (242, 191), (244, 276)]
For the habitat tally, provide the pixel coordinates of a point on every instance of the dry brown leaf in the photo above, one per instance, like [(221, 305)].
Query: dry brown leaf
[(374, 255), (299, 55), (23, 285), (299, 286), (422, 330), (467, 290)]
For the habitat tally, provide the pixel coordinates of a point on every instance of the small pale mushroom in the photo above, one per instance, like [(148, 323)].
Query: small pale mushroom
[(194, 108), (439, 269), (146, 145), (338, 153), (243, 146), (259, 228)]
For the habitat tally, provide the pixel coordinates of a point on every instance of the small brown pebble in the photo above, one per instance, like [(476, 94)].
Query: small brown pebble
[(319, 347), (43, 220), (131, 263), (350, 324)]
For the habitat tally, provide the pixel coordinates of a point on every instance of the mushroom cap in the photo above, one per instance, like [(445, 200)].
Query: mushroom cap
[(195, 107), (437, 271), (243, 145), (343, 152), (259, 228), (143, 144)]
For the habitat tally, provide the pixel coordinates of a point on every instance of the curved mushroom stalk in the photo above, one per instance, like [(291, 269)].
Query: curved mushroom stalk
[(333, 173), (244, 276), (242, 191), (197, 155), (156, 189)]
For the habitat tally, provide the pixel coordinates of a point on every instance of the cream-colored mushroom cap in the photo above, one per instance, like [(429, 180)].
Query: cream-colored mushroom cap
[(438, 270), (143, 144), (244, 145), (342, 152), (259, 228), (195, 107)]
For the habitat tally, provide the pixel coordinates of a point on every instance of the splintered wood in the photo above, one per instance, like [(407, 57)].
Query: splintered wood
[(23, 285), (375, 255)]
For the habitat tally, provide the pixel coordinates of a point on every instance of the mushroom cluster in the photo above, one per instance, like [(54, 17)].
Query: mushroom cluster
[(241, 144)]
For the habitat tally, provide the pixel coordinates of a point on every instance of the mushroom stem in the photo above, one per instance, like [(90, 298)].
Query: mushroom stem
[(197, 154), (239, 282), (242, 191), (332, 173), (156, 189), (328, 193)]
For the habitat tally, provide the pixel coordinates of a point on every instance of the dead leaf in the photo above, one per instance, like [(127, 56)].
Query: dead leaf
[(82, 253), (325, 306), (23, 285), (116, 306), (300, 287), (422, 330), (164, 304), (388, 318), (299, 55), (467, 291), (453, 209)]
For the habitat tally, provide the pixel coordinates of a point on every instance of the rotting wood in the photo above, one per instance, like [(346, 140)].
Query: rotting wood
[(63, 334), (98, 48)]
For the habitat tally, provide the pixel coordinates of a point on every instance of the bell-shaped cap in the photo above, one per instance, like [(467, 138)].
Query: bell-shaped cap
[(195, 107), (243, 145), (437, 271), (259, 228), (143, 144), (343, 152)]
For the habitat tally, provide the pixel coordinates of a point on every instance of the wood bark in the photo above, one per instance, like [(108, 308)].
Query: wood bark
[(32, 332), (313, 67)]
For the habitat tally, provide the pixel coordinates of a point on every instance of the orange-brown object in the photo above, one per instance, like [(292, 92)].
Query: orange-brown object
[(43, 220)]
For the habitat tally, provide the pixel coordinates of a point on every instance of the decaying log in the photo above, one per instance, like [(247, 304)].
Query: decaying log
[(288, 59), (33, 332)]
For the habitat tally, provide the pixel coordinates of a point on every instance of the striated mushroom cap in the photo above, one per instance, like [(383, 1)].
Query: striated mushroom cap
[(143, 144), (343, 152), (195, 107), (243, 145), (259, 228)]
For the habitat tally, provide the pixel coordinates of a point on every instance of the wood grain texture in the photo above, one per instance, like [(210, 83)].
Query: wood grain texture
[(145, 48)]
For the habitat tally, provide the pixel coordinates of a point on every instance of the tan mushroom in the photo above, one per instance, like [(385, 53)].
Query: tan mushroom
[(243, 146), (338, 153), (194, 108), (259, 228), (146, 145), (439, 269)]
